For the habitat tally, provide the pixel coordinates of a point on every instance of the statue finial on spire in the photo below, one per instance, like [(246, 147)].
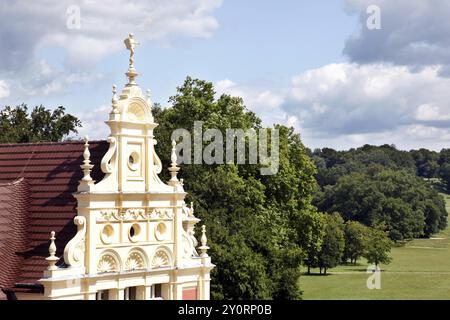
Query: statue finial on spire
[(130, 44)]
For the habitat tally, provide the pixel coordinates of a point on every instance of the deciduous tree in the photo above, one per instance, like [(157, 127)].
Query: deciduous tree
[(378, 247), (333, 242)]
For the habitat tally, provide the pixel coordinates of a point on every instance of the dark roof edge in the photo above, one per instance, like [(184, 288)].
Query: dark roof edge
[(43, 143), (27, 288)]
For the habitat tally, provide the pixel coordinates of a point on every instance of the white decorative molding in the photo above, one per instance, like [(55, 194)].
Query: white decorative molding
[(135, 213), (75, 248), (161, 214), (106, 161), (127, 215), (107, 215), (135, 261), (108, 263)]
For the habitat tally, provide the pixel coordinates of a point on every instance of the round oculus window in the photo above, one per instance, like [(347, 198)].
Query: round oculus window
[(161, 231), (107, 234), (133, 161), (135, 231)]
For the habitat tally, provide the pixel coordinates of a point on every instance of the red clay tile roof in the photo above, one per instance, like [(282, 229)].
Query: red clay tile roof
[(36, 185), (14, 203)]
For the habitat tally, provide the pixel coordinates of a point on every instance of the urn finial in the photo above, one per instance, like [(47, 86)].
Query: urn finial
[(52, 259)]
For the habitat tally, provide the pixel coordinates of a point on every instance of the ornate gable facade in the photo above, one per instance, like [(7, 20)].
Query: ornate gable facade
[(135, 237)]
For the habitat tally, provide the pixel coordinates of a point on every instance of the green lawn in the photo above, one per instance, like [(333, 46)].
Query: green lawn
[(419, 270)]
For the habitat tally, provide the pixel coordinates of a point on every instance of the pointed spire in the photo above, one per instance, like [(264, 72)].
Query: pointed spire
[(173, 165), (114, 101), (52, 259), (203, 241)]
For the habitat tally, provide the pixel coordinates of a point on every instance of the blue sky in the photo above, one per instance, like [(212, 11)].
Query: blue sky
[(310, 64), (256, 42)]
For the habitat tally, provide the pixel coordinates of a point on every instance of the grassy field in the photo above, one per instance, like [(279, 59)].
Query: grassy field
[(419, 270)]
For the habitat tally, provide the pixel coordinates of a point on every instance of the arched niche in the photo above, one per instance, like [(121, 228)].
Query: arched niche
[(136, 260), (109, 261), (161, 258), (137, 110)]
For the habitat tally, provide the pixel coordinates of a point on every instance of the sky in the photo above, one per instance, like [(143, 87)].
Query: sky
[(343, 73)]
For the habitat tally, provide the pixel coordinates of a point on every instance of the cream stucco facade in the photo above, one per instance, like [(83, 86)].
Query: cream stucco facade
[(135, 236)]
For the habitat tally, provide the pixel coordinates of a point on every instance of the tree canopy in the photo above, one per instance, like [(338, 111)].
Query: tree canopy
[(17, 124), (380, 185), (402, 202), (252, 220)]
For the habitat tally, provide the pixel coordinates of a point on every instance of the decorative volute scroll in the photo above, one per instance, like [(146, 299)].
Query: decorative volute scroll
[(156, 161), (106, 165), (189, 246), (75, 248)]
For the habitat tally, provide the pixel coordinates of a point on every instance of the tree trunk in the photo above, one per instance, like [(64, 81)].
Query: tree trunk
[(309, 270), (325, 271)]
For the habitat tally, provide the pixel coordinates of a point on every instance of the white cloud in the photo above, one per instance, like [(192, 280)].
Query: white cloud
[(221, 86), (41, 79), (345, 105), (93, 122), (354, 99), (404, 137), (428, 112), (27, 26), (4, 89), (413, 33), (256, 98), (264, 102)]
